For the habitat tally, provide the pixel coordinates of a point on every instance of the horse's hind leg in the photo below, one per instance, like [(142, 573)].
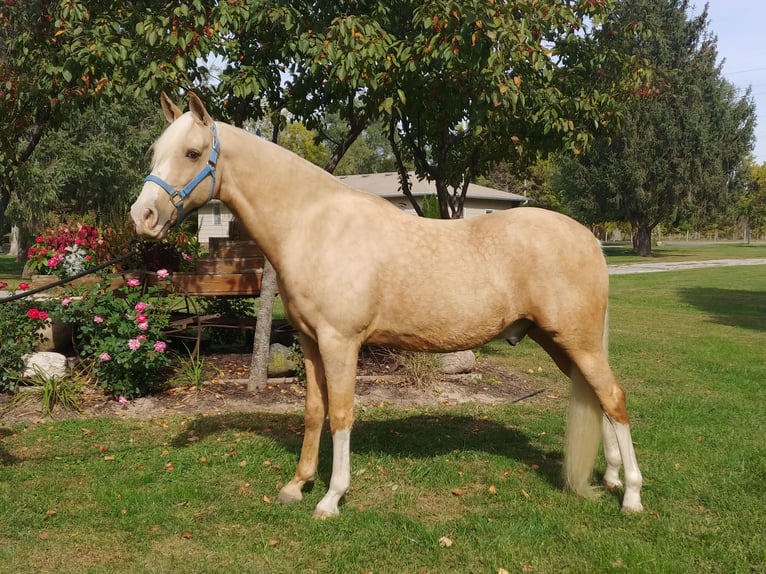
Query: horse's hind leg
[(314, 415), (595, 370), (612, 455)]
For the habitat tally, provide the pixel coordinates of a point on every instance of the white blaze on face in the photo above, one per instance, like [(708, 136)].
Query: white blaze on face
[(149, 212)]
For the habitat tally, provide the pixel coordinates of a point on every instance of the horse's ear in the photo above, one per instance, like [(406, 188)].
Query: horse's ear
[(197, 108), (171, 111)]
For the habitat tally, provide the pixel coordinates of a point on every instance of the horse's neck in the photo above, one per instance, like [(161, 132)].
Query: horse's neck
[(267, 187)]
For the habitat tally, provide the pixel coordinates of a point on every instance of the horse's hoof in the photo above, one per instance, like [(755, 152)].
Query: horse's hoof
[(612, 486), (289, 495), (324, 515), (632, 504)]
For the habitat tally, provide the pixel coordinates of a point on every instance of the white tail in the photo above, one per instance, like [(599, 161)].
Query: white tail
[(584, 431)]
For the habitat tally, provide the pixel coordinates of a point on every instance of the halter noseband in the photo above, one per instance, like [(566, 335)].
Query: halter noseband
[(208, 170)]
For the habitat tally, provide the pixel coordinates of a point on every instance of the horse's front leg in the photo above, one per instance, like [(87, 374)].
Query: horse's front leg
[(314, 415), (339, 358)]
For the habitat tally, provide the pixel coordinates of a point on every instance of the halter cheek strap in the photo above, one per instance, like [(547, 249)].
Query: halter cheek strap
[(177, 196)]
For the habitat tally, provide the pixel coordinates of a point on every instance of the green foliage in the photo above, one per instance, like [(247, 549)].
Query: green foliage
[(21, 322), (121, 332), (94, 161), (236, 307), (191, 371), (52, 391), (681, 150), (430, 206)]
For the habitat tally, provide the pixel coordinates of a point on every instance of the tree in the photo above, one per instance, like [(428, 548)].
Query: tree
[(60, 57), (91, 163), (459, 87), (752, 204), (682, 147)]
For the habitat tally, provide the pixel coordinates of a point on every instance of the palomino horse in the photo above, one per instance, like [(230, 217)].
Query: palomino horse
[(353, 269)]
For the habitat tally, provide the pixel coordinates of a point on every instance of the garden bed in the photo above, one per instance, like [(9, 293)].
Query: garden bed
[(380, 383)]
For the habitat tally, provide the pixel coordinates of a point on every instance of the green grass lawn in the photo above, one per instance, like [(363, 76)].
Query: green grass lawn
[(196, 493)]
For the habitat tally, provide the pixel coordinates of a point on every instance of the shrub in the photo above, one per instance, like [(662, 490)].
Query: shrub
[(121, 332), (69, 248), (21, 322)]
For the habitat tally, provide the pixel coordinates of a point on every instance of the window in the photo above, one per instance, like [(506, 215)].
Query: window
[(216, 214)]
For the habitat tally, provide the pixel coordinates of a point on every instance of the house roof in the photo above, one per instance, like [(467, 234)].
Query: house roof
[(387, 185)]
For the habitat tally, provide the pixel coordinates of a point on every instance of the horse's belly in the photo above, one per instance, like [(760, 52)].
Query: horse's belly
[(435, 338)]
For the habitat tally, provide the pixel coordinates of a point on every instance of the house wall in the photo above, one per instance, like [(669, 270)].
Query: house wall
[(472, 208), (213, 220)]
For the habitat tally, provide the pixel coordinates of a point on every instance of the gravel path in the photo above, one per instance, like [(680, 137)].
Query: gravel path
[(680, 266)]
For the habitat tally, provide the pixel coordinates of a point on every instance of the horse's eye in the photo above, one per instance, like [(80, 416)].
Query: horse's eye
[(193, 154)]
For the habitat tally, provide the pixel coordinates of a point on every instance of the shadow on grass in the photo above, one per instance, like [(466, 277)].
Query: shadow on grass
[(410, 436), (6, 459), (737, 308)]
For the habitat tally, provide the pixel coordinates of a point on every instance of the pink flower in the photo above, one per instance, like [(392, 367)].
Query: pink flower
[(98, 319), (43, 315), (104, 357), (141, 337), (134, 344), (66, 301), (141, 318), (143, 326), (122, 400), (160, 346), (140, 307), (133, 282), (23, 286), (186, 256), (162, 273), (53, 262)]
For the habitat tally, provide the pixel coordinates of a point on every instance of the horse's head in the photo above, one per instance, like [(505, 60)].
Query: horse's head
[(183, 175)]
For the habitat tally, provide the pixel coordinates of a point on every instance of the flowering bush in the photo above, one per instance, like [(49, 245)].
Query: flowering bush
[(70, 248), (21, 322), (121, 332), (177, 252), (67, 249)]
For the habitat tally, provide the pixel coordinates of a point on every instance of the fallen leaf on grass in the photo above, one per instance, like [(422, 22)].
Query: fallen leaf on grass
[(457, 492), (103, 448), (109, 458), (445, 542), (525, 494), (492, 489), (50, 514), (242, 463), (43, 535), (187, 535), (502, 571), (169, 467), (266, 499), (273, 542)]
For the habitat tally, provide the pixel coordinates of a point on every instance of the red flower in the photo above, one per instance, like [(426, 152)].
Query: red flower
[(23, 286), (33, 314), (3, 284)]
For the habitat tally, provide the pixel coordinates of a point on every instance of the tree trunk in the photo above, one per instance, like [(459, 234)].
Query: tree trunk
[(259, 371), (642, 240)]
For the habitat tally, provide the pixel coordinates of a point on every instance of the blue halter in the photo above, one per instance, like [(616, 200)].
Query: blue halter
[(208, 170)]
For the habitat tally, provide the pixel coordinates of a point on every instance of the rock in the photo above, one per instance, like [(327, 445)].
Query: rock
[(49, 364), (281, 360), (457, 363)]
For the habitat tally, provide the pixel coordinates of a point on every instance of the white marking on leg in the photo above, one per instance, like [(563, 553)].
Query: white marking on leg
[(612, 455), (631, 500), (340, 479)]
